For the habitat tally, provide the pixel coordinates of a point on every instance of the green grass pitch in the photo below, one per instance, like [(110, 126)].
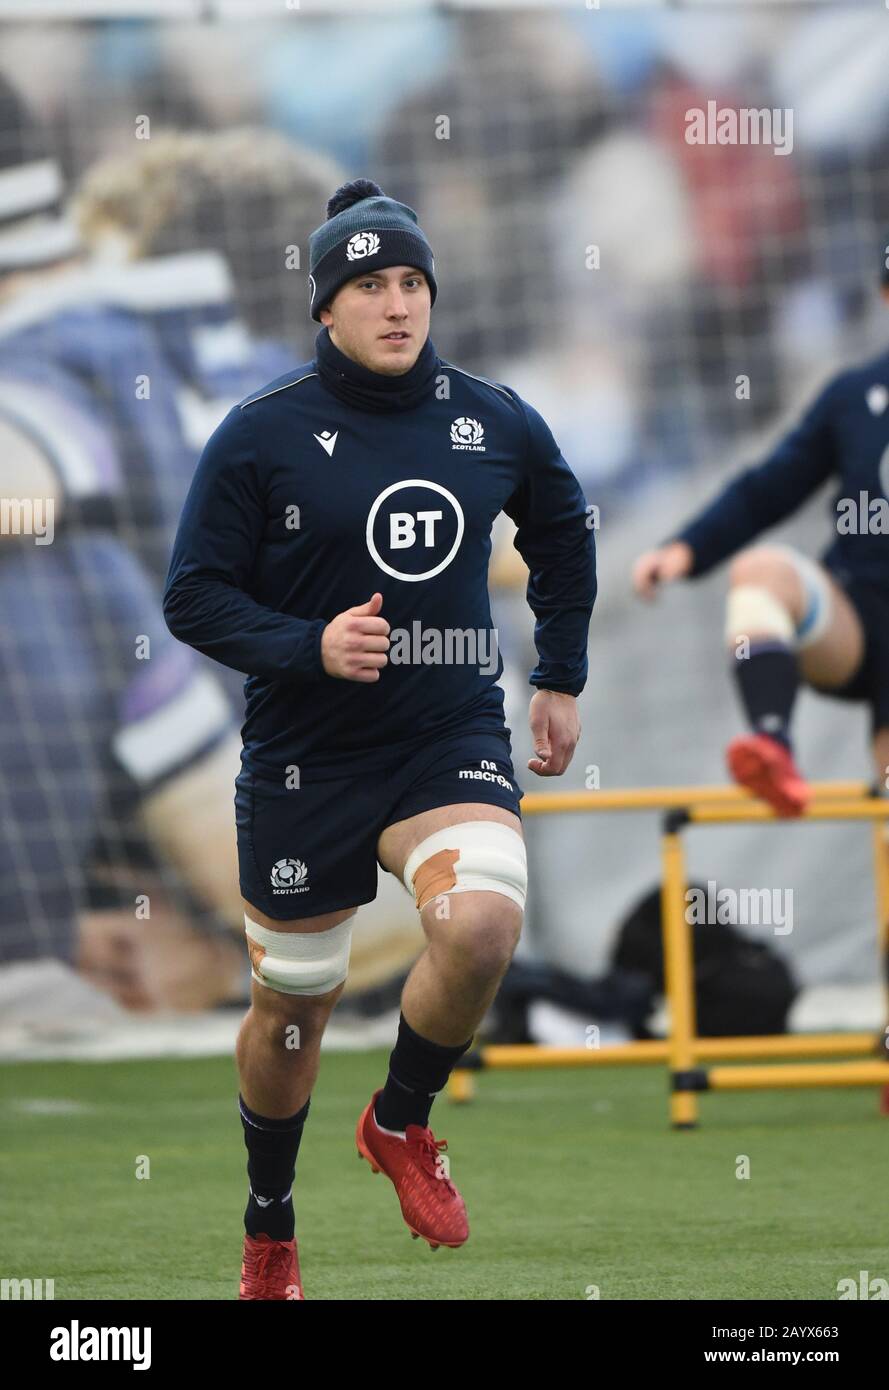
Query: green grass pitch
[(571, 1178)]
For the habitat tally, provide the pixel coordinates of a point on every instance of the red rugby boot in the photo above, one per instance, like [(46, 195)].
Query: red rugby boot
[(766, 768), (430, 1203), (270, 1269)]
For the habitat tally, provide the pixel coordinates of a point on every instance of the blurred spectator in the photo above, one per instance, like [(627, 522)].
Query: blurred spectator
[(482, 158), (248, 193), (91, 733)]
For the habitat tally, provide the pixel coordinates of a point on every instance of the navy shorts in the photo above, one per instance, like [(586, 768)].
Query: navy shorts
[(871, 681), (312, 849)]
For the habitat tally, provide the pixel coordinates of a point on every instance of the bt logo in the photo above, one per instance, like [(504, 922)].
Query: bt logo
[(421, 531), (403, 530)]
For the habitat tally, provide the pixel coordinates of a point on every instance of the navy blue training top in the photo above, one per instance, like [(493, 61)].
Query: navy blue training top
[(844, 435), (302, 506)]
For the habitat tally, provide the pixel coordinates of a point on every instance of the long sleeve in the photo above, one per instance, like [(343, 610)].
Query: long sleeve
[(556, 540), (220, 530), (762, 496)]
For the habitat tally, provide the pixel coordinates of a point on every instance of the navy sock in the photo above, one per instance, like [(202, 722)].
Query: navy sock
[(768, 680), (272, 1146), (418, 1069)]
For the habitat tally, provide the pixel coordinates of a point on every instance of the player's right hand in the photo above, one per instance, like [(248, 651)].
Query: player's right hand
[(354, 644), (656, 567)]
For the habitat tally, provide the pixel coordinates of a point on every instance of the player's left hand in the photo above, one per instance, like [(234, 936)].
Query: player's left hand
[(555, 729)]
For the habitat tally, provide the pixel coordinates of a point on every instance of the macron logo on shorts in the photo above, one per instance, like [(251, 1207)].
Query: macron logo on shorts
[(486, 773)]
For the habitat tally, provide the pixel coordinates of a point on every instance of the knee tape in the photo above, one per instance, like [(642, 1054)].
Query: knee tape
[(473, 856), (300, 962), (752, 608)]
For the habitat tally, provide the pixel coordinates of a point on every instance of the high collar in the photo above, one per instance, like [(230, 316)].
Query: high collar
[(376, 391)]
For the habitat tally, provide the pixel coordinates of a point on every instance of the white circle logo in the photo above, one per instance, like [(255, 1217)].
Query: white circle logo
[(362, 244), (410, 528)]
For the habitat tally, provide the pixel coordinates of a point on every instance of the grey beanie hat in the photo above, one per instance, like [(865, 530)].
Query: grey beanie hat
[(364, 231)]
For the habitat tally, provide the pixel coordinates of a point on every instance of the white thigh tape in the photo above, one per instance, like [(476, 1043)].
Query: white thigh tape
[(300, 962), (473, 856)]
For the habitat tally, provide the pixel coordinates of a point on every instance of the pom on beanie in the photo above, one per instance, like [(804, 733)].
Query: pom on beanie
[(352, 192)]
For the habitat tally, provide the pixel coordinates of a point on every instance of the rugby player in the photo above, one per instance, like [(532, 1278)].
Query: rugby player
[(790, 619), (334, 546)]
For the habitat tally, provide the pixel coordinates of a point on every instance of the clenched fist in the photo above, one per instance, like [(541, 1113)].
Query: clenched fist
[(354, 644)]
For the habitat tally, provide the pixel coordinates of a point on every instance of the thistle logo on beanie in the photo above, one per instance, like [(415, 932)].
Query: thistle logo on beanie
[(362, 244), (364, 225)]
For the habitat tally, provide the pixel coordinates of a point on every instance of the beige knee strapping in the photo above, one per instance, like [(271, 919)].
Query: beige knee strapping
[(754, 611), (300, 962), (473, 856)]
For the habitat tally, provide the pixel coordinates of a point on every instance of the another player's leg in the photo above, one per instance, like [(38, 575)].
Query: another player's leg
[(465, 865), (299, 970), (786, 620)]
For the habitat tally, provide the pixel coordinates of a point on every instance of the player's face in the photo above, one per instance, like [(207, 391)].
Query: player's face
[(365, 313)]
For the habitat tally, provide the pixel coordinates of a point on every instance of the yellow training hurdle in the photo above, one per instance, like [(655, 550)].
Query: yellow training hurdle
[(682, 1050)]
